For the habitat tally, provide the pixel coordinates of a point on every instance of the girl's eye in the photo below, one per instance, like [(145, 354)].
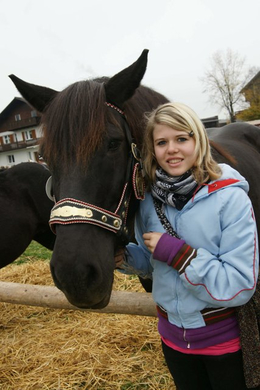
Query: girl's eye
[(182, 139), (161, 143)]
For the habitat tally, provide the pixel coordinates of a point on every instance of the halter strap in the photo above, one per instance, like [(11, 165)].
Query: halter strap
[(115, 108)]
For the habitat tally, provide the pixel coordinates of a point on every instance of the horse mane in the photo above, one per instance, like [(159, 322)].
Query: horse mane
[(223, 152), (142, 102)]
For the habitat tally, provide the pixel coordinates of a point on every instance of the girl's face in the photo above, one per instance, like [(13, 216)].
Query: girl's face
[(174, 149)]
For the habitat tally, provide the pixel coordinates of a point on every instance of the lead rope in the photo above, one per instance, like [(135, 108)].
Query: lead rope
[(163, 219)]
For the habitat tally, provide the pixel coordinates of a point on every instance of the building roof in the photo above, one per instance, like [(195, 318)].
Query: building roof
[(251, 82), (15, 102)]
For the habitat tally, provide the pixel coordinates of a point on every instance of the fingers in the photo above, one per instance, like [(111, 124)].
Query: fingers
[(151, 239), (148, 241), (147, 236)]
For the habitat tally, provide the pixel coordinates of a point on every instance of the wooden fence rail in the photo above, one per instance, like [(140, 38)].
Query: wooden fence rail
[(121, 302)]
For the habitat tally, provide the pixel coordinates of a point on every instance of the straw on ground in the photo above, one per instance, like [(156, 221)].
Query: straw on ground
[(57, 349)]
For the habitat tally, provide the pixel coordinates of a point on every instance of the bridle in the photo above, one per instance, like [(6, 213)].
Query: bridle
[(69, 210)]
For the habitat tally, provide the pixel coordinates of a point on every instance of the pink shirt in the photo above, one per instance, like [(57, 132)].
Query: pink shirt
[(230, 346)]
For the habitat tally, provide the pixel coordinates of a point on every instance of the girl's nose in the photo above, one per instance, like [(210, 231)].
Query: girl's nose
[(172, 147)]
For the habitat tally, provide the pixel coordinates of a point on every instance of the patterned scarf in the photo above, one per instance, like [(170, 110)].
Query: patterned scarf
[(174, 191)]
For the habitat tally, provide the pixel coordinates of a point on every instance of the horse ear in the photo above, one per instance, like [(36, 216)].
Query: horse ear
[(122, 86), (37, 96)]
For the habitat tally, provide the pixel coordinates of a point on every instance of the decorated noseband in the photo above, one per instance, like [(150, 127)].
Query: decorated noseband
[(70, 210)]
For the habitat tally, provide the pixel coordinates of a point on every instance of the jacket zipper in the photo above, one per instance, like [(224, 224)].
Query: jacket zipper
[(184, 338)]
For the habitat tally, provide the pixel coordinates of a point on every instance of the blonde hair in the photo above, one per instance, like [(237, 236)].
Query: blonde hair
[(180, 117)]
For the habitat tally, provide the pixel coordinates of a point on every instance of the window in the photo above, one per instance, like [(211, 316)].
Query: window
[(7, 139), (11, 158), (28, 135), (33, 114), (30, 155), (17, 117)]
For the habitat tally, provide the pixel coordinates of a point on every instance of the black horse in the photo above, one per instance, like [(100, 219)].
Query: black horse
[(88, 144), (238, 144), (25, 210)]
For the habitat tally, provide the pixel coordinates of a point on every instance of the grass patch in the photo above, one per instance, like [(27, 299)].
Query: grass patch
[(35, 251)]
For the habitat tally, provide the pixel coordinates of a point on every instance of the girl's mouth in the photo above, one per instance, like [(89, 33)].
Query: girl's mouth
[(174, 161)]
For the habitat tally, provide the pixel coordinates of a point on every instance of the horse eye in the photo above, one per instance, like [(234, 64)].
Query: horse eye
[(113, 144)]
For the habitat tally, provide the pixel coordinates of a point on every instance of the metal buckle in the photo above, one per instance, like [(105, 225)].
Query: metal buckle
[(136, 152)]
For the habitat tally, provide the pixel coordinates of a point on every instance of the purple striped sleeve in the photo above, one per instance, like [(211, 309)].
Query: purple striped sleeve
[(174, 251)]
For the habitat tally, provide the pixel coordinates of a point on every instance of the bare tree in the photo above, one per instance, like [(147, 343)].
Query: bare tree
[(224, 80)]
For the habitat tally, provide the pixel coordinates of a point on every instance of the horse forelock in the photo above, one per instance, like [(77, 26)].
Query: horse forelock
[(74, 124)]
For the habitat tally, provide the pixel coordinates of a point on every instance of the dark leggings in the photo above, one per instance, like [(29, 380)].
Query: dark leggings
[(200, 372)]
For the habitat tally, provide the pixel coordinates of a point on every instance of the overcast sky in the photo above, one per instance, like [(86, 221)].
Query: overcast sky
[(57, 42)]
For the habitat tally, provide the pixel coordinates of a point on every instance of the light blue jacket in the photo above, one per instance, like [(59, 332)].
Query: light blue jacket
[(219, 223)]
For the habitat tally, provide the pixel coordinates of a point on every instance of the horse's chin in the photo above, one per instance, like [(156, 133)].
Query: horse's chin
[(88, 304), (94, 300)]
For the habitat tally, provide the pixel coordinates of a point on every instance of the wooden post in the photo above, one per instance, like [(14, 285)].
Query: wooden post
[(121, 302)]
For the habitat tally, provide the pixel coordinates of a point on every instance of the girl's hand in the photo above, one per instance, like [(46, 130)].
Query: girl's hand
[(151, 239)]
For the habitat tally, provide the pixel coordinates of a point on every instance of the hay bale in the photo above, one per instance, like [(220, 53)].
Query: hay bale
[(58, 349)]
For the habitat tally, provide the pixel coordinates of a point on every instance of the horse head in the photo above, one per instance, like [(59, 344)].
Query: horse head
[(88, 132)]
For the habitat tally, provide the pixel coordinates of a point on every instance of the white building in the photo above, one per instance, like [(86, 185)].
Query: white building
[(20, 133)]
